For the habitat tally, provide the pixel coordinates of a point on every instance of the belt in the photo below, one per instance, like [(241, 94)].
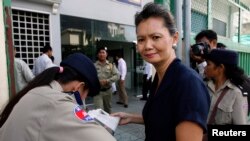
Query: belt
[(104, 89)]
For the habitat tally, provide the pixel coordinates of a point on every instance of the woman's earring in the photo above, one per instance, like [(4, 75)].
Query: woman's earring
[(174, 46)]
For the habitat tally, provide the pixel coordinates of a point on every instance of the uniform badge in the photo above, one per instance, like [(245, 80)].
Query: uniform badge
[(81, 114)]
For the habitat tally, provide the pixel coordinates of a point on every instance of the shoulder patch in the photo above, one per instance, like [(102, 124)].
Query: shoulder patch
[(81, 114)]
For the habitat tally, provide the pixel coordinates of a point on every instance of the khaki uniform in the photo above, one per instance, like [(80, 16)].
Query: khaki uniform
[(47, 114), (110, 73), (233, 107)]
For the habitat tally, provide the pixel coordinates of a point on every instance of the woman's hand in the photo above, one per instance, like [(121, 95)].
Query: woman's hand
[(128, 118), (125, 117)]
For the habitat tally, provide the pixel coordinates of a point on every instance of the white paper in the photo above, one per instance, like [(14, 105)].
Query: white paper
[(105, 119)]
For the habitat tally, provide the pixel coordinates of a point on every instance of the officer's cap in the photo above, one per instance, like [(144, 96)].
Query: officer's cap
[(223, 56), (85, 67)]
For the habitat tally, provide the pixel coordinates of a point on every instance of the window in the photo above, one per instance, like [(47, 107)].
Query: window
[(220, 27), (198, 21), (30, 34)]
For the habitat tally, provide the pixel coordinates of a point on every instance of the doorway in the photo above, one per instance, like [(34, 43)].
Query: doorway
[(128, 51)]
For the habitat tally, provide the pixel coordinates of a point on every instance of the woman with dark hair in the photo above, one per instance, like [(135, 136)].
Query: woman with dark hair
[(228, 104), (49, 107), (178, 103)]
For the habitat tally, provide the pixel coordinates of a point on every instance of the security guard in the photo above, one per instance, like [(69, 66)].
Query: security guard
[(107, 74), (47, 109), (228, 104)]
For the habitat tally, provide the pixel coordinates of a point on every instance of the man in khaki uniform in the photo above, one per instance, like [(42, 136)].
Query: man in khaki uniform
[(107, 74)]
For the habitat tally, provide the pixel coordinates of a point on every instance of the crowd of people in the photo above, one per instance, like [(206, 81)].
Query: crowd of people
[(49, 104)]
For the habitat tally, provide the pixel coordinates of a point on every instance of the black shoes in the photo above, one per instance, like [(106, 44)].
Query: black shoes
[(125, 105), (118, 102)]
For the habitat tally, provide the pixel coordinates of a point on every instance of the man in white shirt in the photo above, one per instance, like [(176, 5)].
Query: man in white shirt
[(147, 78), (122, 68), (43, 62), (23, 73)]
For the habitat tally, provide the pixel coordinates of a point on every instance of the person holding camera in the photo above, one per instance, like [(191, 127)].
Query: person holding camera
[(207, 36), (205, 41)]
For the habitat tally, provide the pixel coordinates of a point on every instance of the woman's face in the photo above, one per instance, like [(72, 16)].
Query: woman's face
[(83, 91), (154, 41), (211, 70)]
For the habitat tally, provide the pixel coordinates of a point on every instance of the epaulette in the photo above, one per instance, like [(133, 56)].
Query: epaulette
[(243, 91)]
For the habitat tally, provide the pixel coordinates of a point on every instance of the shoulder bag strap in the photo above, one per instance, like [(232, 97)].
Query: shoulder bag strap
[(212, 116)]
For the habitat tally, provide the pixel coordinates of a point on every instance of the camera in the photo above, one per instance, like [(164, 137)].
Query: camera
[(200, 49)]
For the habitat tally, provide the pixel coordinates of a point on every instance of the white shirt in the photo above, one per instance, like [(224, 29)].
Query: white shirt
[(23, 74), (122, 68), (201, 68), (42, 62), (147, 70)]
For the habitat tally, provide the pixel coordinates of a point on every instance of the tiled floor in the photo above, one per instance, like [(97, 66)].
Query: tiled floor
[(130, 132)]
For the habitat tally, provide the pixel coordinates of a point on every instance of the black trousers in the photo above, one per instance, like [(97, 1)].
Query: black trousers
[(146, 86)]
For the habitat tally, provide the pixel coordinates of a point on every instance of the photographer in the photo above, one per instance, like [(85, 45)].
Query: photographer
[(205, 41)]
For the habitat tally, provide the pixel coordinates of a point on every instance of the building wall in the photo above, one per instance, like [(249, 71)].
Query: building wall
[(220, 11), (116, 14), (104, 10), (4, 94), (110, 11)]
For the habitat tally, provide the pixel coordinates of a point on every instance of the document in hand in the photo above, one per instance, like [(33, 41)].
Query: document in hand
[(103, 118)]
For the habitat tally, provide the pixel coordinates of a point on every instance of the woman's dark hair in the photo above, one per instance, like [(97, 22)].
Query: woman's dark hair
[(43, 79), (234, 73), (221, 46), (156, 10)]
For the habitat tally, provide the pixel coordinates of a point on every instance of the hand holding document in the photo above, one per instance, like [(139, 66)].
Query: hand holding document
[(103, 118)]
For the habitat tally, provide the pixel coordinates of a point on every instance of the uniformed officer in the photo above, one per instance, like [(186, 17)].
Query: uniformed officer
[(107, 74), (228, 104), (47, 110)]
